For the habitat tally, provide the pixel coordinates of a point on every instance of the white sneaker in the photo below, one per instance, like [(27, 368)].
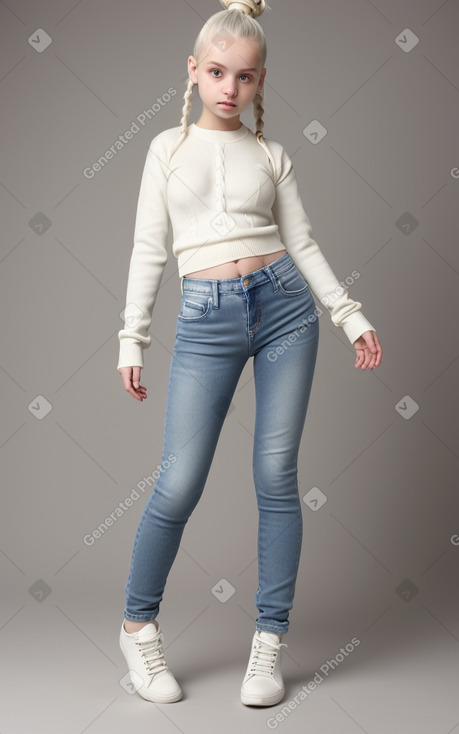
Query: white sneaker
[(148, 671), (263, 684)]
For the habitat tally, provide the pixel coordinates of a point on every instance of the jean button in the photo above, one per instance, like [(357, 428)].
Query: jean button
[(246, 281)]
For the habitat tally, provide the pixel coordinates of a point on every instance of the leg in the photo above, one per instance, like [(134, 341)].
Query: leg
[(283, 370), (203, 375)]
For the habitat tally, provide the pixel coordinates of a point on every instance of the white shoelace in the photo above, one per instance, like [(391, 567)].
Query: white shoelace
[(151, 651), (264, 657)]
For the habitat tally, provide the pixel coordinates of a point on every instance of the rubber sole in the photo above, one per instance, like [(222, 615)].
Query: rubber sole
[(262, 700)]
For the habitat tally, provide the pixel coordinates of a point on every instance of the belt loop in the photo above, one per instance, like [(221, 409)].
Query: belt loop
[(181, 285), (215, 303), (269, 272)]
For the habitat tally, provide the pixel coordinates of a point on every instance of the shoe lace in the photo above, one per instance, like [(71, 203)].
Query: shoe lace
[(264, 657), (152, 653)]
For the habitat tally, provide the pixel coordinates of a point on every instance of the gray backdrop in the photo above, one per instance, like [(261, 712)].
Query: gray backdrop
[(378, 468)]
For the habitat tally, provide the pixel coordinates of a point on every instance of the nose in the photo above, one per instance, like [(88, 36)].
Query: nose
[(230, 87)]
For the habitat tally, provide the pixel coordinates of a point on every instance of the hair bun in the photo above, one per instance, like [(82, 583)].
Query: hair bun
[(254, 8)]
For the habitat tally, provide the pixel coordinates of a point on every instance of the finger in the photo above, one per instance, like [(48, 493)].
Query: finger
[(136, 377), (368, 359), (372, 362), (363, 343), (140, 389), (371, 357), (375, 357), (370, 340), (379, 353), (375, 352), (360, 356), (126, 376)]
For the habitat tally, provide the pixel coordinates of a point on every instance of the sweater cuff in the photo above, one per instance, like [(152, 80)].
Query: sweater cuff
[(355, 325), (131, 354)]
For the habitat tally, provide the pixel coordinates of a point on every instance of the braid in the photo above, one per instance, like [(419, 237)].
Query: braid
[(186, 109), (238, 19), (258, 111)]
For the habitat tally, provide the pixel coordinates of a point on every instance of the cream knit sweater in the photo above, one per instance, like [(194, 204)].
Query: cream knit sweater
[(224, 202)]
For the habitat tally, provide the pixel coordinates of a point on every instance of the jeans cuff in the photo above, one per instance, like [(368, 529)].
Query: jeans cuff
[(138, 617), (279, 630)]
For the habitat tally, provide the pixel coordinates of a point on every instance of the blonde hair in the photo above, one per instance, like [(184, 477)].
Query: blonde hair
[(237, 21)]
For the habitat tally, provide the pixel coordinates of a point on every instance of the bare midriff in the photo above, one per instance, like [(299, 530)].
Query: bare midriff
[(235, 268)]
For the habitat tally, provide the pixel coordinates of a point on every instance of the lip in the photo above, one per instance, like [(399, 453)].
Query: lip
[(227, 104)]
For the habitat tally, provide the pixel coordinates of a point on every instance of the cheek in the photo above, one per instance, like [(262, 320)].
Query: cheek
[(205, 87)]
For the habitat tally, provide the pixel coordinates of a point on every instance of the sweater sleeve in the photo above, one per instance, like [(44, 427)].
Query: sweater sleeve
[(296, 235), (148, 258)]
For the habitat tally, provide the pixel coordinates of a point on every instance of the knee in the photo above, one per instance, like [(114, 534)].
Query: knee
[(174, 499), (275, 473)]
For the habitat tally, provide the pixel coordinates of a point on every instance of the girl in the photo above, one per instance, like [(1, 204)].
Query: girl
[(247, 263)]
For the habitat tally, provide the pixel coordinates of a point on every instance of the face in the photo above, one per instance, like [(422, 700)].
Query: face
[(228, 72)]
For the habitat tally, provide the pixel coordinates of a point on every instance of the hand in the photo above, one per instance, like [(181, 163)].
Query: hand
[(131, 382), (368, 349)]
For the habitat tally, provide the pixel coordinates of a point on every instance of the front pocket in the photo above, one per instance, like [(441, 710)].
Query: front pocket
[(194, 307), (291, 282)]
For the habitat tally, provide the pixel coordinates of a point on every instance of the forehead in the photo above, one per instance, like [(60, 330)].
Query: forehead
[(233, 53)]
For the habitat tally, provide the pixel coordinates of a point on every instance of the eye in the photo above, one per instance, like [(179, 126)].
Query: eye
[(241, 76)]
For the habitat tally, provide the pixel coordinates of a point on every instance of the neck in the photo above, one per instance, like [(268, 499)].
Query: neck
[(216, 135), (207, 122)]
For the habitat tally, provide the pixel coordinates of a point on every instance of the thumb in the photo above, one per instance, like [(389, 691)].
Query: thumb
[(136, 376)]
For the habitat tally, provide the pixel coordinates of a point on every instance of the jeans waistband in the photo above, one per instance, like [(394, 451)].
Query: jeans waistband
[(242, 283)]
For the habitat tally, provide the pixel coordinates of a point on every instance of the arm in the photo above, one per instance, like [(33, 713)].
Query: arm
[(296, 235), (148, 259)]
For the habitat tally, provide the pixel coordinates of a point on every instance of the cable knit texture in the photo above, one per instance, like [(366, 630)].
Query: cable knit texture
[(224, 201), (220, 177)]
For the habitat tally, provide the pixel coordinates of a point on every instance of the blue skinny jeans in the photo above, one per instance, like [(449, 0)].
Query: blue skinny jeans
[(270, 315)]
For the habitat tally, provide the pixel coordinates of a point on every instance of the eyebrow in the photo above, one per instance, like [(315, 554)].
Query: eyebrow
[(216, 63)]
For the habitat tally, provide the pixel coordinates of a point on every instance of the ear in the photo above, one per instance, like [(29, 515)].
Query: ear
[(192, 67), (262, 79)]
